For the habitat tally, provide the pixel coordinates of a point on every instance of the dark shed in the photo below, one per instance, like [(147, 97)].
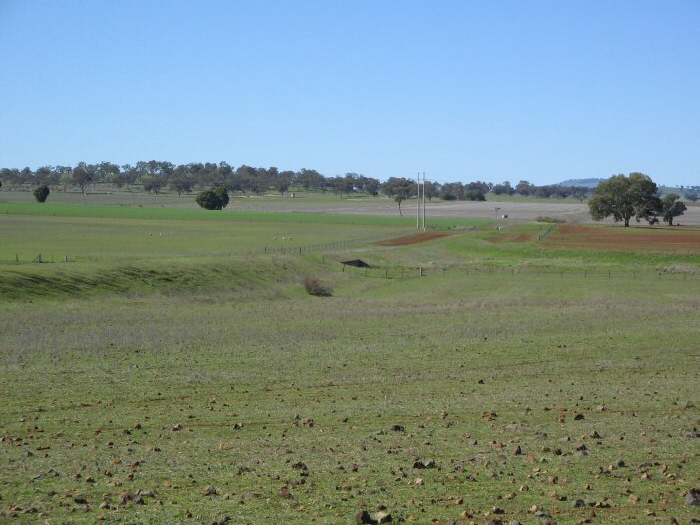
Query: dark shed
[(357, 263)]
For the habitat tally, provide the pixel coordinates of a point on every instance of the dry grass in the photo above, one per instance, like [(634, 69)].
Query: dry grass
[(314, 286)]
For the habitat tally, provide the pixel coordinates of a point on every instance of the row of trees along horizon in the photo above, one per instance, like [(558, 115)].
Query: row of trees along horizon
[(621, 197), (156, 177)]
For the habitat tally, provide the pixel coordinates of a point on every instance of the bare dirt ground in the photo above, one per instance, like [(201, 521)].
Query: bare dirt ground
[(570, 211), (413, 239), (660, 239)]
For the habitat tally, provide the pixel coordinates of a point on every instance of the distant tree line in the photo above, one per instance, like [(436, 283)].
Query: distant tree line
[(691, 193), (158, 176)]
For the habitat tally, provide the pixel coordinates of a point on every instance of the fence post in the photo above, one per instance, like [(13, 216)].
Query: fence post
[(66, 258), (608, 274), (634, 274), (386, 273), (16, 257)]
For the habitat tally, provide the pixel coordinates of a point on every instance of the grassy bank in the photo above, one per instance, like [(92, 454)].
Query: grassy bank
[(165, 381)]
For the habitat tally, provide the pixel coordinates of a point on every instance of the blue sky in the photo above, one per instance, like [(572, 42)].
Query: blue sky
[(542, 91)]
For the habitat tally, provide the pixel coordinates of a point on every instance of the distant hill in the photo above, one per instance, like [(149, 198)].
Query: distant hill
[(586, 183)]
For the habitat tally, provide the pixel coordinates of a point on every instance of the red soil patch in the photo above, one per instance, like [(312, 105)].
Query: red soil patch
[(413, 239), (632, 239)]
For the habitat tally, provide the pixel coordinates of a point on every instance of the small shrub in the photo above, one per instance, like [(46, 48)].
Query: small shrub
[(553, 220), (314, 286), (41, 193)]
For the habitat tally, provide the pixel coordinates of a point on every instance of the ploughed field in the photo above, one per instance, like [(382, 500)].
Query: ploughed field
[(672, 239), (201, 382)]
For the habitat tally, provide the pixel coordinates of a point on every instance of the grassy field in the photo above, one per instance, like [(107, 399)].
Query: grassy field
[(439, 213), (190, 378)]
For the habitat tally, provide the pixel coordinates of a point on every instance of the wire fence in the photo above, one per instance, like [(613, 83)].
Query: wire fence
[(270, 250), (327, 246), (38, 258), (411, 272), (543, 236)]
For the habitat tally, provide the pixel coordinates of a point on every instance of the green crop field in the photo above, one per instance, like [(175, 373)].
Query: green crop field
[(172, 371)]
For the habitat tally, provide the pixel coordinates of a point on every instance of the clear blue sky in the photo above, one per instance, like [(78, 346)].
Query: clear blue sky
[(543, 91)]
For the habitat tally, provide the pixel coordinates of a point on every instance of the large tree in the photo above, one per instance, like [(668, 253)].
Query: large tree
[(525, 188), (504, 188), (671, 207), (431, 189), (625, 197), (309, 179), (82, 175), (343, 184), (181, 183), (283, 180), (400, 189), (370, 185)]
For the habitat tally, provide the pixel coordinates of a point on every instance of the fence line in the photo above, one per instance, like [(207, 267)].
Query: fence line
[(336, 244), (544, 235), (300, 249), (39, 258), (404, 272)]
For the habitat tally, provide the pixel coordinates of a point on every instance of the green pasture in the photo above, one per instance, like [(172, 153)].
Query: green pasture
[(114, 239), (97, 211), (124, 211), (168, 200), (190, 378)]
